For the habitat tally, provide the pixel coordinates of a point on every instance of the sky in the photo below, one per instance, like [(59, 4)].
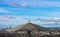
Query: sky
[(45, 13)]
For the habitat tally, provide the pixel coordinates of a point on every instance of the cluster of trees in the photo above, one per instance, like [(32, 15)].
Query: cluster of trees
[(16, 35)]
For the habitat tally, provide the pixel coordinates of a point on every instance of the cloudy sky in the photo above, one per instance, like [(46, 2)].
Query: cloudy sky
[(45, 13)]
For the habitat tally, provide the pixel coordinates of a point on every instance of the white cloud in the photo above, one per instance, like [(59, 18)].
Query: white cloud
[(44, 4), (52, 4), (18, 20), (24, 4), (35, 3), (49, 23), (57, 18), (13, 4), (6, 20), (3, 10)]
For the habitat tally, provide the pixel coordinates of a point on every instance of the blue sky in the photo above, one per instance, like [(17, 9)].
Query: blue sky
[(12, 12)]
